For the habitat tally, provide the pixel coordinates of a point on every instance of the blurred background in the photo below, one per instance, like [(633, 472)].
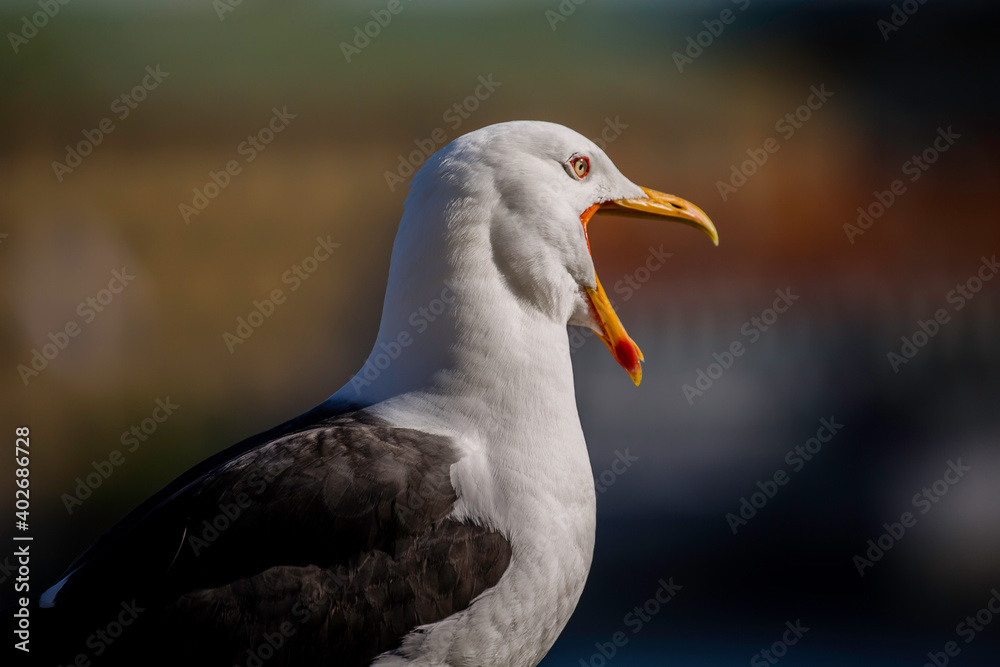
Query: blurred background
[(678, 92)]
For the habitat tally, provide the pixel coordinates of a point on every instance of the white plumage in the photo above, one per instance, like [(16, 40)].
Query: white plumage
[(494, 220)]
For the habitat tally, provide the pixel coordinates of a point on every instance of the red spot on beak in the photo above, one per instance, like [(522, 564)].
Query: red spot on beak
[(626, 355)]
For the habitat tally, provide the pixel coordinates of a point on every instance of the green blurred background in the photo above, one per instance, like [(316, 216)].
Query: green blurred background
[(606, 64)]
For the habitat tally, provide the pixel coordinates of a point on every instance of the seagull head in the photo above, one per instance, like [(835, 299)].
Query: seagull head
[(506, 208)]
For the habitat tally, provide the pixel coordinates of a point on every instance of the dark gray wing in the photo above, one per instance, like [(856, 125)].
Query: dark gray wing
[(331, 531)]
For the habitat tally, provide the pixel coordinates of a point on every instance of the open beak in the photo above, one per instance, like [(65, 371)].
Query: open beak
[(653, 205)]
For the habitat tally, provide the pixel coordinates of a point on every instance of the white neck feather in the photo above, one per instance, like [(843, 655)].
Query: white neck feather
[(459, 339)]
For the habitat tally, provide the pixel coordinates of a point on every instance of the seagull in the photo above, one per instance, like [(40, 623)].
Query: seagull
[(437, 510)]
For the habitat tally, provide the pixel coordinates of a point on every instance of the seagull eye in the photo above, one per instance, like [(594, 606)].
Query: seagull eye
[(580, 165)]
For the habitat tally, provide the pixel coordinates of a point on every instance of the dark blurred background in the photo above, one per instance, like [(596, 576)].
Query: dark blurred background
[(680, 129)]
